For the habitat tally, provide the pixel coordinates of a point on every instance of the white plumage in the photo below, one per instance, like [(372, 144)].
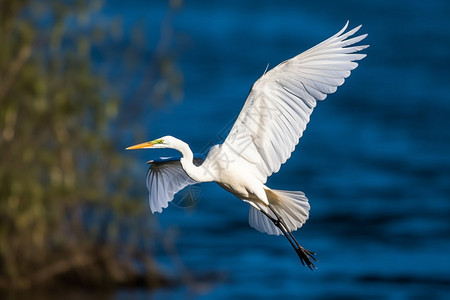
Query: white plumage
[(280, 102), (268, 128)]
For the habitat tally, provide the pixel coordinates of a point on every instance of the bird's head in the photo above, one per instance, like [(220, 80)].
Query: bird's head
[(163, 142)]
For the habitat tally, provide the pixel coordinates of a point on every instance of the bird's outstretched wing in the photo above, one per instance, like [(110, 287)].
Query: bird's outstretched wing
[(165, 178), (280, 103)]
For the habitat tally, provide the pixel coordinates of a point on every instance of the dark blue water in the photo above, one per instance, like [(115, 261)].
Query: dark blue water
[(374, 160)]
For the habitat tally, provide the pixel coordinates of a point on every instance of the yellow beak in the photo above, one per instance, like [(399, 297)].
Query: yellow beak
[(142, 145)]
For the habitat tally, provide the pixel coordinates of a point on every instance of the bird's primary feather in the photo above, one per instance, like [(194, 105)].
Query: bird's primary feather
[(165, 178), (280, 103)]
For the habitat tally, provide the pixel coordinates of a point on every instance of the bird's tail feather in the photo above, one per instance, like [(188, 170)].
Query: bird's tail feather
[(291, 206)]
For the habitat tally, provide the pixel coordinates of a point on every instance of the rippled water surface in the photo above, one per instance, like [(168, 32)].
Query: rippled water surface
[(374, 160)]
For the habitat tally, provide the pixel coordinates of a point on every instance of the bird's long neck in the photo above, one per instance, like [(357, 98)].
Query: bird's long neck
[(199, 174)]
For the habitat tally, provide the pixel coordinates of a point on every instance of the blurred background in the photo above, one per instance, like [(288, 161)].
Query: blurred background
[(82, 80)]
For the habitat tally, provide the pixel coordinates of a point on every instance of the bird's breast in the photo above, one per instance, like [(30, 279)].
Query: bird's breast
[(238, 182)]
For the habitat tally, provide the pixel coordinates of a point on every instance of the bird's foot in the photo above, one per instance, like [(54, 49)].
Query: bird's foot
[(306, 257)]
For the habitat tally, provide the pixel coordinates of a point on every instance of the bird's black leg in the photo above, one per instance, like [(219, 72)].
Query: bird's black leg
[(304, 254), (277, 223), (290, 233)]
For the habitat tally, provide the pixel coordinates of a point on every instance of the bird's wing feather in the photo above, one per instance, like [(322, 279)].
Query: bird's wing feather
[(165, 178), (280, 103)]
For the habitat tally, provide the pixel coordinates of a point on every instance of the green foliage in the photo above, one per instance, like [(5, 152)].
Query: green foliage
[(63, 200)]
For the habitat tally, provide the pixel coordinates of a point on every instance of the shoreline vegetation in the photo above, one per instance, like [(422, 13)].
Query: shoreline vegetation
[(69, 215)]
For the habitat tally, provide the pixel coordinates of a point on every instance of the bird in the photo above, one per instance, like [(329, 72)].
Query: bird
[(265, 133)]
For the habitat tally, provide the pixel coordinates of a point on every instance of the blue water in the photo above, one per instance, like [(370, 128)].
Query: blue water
[(374, 161)]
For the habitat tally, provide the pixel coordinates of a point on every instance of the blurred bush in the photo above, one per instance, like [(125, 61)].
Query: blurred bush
[(66, 214)]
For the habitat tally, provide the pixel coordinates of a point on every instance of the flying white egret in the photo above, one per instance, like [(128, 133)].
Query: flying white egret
[(265, 133)]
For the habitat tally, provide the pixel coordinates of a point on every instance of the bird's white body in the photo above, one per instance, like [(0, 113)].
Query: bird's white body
[(231, 176), (265, 133)]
